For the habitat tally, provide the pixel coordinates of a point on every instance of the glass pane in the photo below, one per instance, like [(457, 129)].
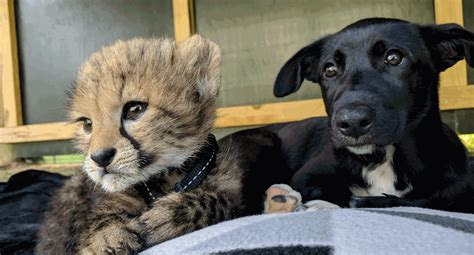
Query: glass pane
[(459, 120), (56, 36), (257, 37)]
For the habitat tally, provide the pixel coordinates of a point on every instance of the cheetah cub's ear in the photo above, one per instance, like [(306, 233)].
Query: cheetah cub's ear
[(201, 59)]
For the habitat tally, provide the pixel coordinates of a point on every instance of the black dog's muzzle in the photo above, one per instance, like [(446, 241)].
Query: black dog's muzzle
[(354, 121)]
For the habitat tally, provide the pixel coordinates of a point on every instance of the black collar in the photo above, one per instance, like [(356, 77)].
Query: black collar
[(197, 167)]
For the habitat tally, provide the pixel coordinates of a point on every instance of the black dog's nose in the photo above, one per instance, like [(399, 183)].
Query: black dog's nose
[(354, 122), (104, 156)]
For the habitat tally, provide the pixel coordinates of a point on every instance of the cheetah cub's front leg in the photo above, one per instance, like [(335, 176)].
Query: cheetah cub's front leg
[(113, 239), (180, 213), (110, 229)]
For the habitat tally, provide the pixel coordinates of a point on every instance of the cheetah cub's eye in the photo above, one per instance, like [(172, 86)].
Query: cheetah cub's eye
[(133, 110), (86, 124)]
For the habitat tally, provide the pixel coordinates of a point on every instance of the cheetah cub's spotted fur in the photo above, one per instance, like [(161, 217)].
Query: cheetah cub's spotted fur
[(146, 107)]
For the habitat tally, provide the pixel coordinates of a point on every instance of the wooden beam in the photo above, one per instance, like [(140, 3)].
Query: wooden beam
[(456, 97), (183, 18), (38, 132), (10, 102), (450, 11), (227, 117), (451, 98), (12, 112), (251, 115)]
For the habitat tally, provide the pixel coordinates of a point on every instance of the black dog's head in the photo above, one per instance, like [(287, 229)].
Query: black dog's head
[(378, 77)]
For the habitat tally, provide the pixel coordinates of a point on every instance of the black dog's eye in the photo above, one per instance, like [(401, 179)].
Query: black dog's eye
[(394, 57), (133, 110), (330, 71), (87, 125)]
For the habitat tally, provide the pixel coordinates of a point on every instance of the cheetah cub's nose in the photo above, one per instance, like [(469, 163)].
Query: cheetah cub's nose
[(103, 156)]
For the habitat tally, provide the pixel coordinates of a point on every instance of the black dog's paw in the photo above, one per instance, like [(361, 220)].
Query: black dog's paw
[(373, 202), (311, 193)]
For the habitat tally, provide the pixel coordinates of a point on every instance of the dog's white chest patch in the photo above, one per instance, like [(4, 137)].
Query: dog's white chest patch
[(381, 179)]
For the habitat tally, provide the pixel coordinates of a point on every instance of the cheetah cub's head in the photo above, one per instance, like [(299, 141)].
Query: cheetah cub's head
[(144, 105)]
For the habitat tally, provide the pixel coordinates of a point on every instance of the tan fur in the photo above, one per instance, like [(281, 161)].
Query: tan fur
[(281, 198), (100, 212)]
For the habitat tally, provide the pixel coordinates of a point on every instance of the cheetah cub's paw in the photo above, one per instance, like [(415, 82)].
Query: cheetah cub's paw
[(282, 198)]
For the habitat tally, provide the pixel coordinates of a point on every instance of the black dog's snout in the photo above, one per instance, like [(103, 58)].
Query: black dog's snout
[(354, 122), (103, 157)]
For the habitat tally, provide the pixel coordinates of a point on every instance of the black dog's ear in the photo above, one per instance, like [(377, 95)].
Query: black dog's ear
[(448, 43), (298, 68)]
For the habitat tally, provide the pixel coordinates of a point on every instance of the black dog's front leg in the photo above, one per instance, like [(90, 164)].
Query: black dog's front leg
[(320, 184), (386, 201)]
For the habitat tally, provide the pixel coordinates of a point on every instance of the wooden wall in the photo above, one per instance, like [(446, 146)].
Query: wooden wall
[(256, 38), (56, 36)]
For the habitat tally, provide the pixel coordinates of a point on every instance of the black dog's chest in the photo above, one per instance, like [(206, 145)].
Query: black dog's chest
[(378, 177)]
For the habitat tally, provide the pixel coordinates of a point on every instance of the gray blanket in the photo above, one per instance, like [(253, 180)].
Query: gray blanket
[(339, 231)]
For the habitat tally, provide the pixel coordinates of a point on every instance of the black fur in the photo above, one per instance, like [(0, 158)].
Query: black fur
[(264, 162), (402, 101)]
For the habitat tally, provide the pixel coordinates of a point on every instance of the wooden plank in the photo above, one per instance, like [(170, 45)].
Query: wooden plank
[(452, 98), (10, 102), (37, 132), (183, 17), (228, 117), (252, 115), (450, 11), (7, 153), (12, 112), (456, 97)]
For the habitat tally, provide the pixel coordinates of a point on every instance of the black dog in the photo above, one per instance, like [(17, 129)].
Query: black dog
[(383, 143)]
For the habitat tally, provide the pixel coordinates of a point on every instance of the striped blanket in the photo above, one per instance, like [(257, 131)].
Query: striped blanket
[(401, 230)]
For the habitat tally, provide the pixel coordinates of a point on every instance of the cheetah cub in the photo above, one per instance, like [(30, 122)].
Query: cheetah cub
[(152, 170)]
